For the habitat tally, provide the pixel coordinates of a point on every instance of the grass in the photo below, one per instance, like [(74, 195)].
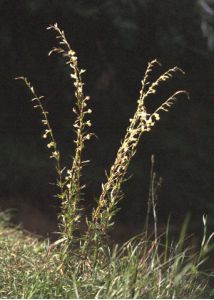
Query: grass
[(86, 264), (141, 268)]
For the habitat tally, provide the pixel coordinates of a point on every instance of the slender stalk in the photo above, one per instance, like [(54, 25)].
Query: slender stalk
[(48, 133), (141, 122), (70, 214)]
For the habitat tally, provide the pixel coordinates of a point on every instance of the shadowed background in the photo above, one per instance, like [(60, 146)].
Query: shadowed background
[(114, 41)]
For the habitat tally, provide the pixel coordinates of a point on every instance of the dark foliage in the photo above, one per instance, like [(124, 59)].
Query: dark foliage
[(114, 39)]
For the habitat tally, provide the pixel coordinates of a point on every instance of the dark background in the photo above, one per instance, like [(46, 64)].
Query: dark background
[(114, 40)]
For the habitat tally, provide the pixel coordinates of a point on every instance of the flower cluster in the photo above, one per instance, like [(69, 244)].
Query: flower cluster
[(141, 122), (81, 127)]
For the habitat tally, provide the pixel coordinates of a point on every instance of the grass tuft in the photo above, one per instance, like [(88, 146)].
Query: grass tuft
[(141, 268)]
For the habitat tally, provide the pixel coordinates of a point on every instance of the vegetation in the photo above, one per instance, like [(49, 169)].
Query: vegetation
[(86, 264), (141, 268), (131, 33)]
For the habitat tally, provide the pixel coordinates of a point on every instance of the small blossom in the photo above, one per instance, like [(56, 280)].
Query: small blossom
[(88, 123), (71, 52), (143, 114), (88, 136), (51, 144), (55, 154), (157, 116)]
